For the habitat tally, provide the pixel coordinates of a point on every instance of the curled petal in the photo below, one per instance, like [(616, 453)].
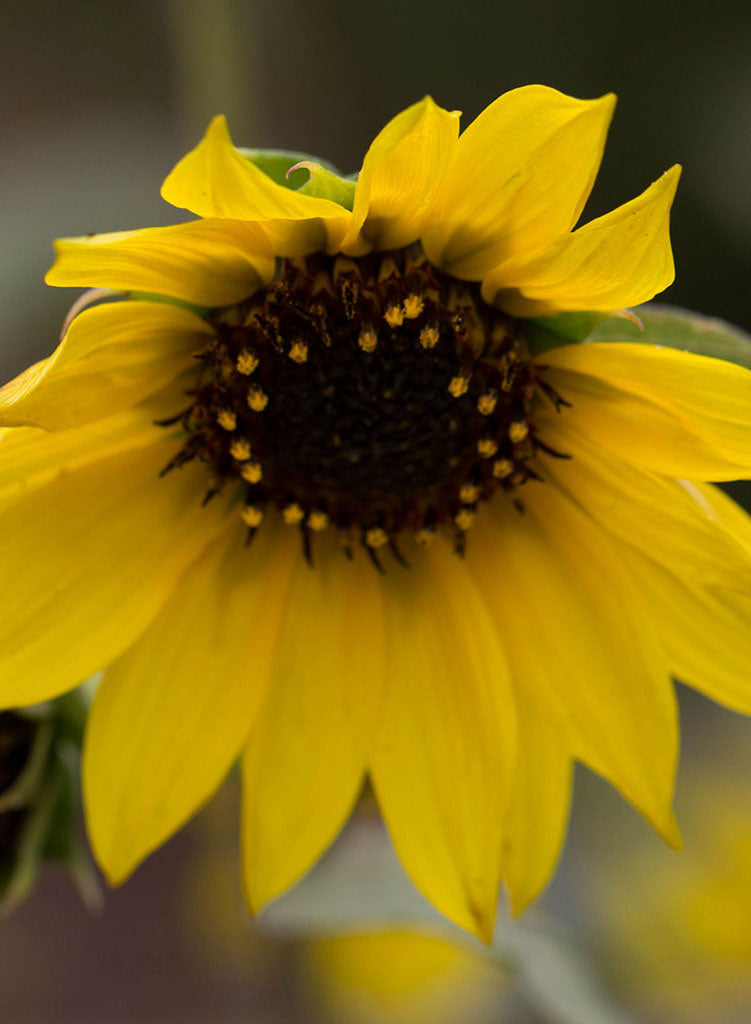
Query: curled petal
[(618, 260)]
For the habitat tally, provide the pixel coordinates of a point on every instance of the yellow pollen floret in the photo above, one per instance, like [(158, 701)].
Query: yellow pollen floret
[(486, 403), (503, 468), (299, 352), (368, 339), (518, 431), (394, 316), (246, 363), (459, 386), (226, 419), (240, 449), (424, 536), (469, 493), (318, 520), (487, 447), (375, 537), (292, 514), (257, 399), (464, 518), (413, 306), (252, 515), (252, 472), (429, 336)]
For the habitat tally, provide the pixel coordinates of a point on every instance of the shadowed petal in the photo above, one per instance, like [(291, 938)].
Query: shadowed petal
[(401, 177), (521, 174)]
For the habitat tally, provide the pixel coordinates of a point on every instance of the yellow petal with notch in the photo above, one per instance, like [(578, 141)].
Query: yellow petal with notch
[(704, 631)]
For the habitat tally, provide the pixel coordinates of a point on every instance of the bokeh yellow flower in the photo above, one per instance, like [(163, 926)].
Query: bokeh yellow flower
[(674, 932), (403, 977), (469, 564)]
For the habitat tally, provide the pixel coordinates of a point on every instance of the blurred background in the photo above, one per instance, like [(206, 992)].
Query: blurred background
[(99, 100)]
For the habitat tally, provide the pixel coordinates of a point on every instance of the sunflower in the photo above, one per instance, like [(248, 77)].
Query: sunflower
[(308, 496)]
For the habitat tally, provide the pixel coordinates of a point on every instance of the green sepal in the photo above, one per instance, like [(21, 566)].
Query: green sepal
[(546, 332), (651, 324), (304, 173), (276, 164), (40, 810), (682, 329), (326, 184)]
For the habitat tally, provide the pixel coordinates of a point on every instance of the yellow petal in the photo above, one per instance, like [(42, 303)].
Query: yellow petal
[(305, 759), (521, 174), (92, 552), (579, 643), (538, 811), (704, 631), (693, 385), (442, 765), (172, 713), (618, 260), (728, 513), (208, 263), (400, 178), (32, 458), (111, 357), (668, 434), (215, 180), (661, 516)]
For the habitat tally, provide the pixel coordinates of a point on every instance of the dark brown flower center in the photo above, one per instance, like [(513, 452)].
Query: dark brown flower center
[(374, 396)]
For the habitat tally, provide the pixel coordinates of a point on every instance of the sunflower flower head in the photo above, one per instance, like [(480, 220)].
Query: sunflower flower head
[(458, 581)]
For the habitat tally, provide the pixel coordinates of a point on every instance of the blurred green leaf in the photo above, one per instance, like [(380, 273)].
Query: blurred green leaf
[(40, 806)]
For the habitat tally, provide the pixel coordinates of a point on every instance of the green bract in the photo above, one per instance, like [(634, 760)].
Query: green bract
[(304, 173)]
